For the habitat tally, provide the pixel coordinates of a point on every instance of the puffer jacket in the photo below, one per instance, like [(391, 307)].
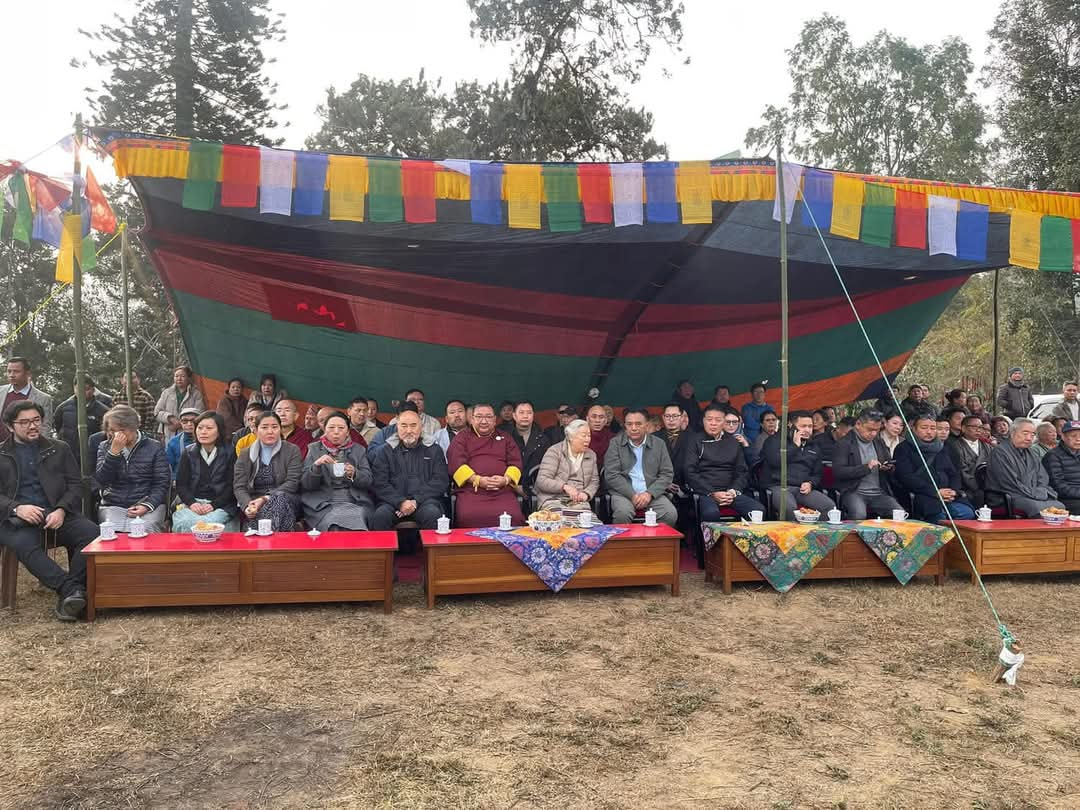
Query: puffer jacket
[(142, 478), (1063, 467)]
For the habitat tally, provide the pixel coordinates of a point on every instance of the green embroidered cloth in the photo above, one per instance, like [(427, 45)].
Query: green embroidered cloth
[(782, 552)]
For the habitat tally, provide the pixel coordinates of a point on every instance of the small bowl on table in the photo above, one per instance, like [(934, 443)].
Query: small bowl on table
[(1054, 518), (207, 532), (807, 517)]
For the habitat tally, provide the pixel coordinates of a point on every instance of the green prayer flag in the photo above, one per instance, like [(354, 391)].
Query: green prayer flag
[(563, 198), (89, 253), (384, 191), (879, 209), (204, 164), (24, 216), (1055, 245)]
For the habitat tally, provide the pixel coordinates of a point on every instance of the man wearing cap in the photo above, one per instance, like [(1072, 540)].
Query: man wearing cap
[(1014, 398), (1062, 464), (184, 437), (556, 433)]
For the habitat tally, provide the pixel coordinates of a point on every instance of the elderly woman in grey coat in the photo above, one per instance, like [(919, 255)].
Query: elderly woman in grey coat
[(266, 478), (337, 480), (568, 474)]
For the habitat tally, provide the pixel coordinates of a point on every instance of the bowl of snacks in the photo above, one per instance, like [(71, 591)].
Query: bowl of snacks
[(206, 532), (804, 515), (1054, 516), (546, 520)]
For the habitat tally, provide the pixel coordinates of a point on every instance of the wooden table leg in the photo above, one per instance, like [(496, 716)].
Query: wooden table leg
[(91, 587), (676, 574), (388, 582), (726, 558), (939, 577), (429, 577)]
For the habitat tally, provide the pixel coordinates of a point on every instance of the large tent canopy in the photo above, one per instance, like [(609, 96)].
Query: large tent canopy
[(348, 275)]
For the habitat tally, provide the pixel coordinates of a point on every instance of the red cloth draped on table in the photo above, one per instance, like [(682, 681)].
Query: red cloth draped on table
[(470, 454)]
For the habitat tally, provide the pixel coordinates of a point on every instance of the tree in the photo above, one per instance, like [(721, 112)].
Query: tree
[(564, 98), (188, 67), (884, 107), (1035, 68)]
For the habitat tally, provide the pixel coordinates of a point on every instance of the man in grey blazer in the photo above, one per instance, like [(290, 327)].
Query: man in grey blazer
[(20, 387), (638, 472)]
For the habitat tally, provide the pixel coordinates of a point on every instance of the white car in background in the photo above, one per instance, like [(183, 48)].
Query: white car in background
[(1044, 403)]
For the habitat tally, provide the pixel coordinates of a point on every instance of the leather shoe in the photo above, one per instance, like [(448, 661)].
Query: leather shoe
[(73, 604)]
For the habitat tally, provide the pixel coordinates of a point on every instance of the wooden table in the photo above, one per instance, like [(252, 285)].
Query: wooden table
[(163, 570), (849, 560), (458, 563), (1016, 547)]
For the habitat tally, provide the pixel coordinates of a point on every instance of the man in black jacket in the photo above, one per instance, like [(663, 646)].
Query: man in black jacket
[(861, 467), (530, 440), (716, 469), (944, 482), (969, 454), (66, 421), (40, 488), (410, 478), (1063, 466), (803, 469)]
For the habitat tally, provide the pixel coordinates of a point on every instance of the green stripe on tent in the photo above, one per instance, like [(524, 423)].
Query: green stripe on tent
[(879, 210), (384, 191), (204, 164), (1055, 245), (563, 199)]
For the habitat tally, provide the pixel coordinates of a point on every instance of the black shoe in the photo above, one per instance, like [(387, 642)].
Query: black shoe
[(73, 604)]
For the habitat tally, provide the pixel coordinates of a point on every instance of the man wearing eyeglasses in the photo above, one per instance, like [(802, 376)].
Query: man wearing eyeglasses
[(40, 489)]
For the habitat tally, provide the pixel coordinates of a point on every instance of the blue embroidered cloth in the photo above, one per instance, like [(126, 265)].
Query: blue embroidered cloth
[(553, 556)]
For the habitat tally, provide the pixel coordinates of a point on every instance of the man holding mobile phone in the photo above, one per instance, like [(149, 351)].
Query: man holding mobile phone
[(861, 467)]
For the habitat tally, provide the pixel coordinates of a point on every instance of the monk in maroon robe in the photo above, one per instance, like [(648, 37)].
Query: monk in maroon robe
[(485, 464)]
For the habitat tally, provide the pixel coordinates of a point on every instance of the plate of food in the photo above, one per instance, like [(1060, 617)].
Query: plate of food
[(206, 532), (1054, 516), (546, 520), (805, 515)]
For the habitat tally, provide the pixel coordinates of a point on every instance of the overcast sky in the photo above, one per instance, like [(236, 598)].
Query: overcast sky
[(737, 52)]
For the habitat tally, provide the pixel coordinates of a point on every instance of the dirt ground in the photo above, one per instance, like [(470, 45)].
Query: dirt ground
[(837, 695)]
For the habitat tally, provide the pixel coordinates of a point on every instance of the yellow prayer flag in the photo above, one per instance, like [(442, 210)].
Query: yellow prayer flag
[(347, 176), (524, 186), (70, 248), (847, 206), (693, 186), (1024, 238)]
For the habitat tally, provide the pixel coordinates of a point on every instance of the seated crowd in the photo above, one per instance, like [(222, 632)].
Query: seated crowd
[(172, 463)]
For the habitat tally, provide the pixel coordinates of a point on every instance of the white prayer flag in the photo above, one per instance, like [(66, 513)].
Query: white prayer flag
[(942, 224), (460, 166), (792, 174), (275, 180), (627, 189)]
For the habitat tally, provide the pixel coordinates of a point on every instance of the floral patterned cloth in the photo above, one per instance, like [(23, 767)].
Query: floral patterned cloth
[(553, 556), (782, 552), (904, 547)]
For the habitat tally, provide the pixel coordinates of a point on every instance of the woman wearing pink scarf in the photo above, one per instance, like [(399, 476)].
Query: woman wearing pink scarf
[(336, 484)]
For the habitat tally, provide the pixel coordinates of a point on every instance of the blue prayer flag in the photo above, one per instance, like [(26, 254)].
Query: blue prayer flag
[(817, 196), (485, 190), (309, 195), (972, 228), (661, 204), (48, 226)]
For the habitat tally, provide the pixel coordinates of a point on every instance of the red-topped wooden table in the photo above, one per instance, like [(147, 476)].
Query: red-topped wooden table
[(1015, 547), (458, 563), (163, 570)]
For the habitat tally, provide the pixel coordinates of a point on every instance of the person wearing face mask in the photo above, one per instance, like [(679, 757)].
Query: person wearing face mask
[(181, 394), (204, 478)]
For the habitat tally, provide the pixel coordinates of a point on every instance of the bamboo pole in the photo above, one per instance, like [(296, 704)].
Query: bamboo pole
[(783, 331), (124, 303), (992, 391), (76, 328)]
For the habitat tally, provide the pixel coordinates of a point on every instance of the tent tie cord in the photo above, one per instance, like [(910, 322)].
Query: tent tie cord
[(1007, 638)]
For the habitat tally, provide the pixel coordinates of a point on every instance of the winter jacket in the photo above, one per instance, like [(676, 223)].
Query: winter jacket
[(655, 466), (1064, 411), (690, 405), (911, 476), (1018, 472), (532, 453), (66, 422), (1015, 400), (911, 408), (166, 407), (286, 465), (213, 482), (967, 463), (848, 467), (715, 465), (751, 416), (803, 463), (231, 410), (391, 474), (142, 478), (555, 472), (175, 447), (57, 473), (41, 398), (1063, 467)]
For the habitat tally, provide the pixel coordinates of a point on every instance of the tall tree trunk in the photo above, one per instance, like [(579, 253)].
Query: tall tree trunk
[(184, 71)]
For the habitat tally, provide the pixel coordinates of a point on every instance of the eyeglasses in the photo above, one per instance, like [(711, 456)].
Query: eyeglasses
[(731, 421), (28, 422)]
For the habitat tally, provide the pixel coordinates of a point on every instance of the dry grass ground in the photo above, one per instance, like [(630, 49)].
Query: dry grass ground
[(836, 695)]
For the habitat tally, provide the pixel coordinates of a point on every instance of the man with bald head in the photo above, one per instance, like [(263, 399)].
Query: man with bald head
[(410, 477), (287, 412), (599, 434)]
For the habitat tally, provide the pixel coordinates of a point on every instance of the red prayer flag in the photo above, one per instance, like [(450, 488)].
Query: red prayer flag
[(910, 219), (418, 190), (595, 180), (239, 176), (102, 218), (1076, 244)]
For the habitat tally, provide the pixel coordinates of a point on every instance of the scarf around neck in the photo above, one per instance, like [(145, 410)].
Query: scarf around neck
[(334, 449)]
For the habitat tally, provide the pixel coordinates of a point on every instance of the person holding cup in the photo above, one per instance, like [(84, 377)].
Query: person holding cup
[(266, 478), (204, 478), (336, 483), (944, 482)]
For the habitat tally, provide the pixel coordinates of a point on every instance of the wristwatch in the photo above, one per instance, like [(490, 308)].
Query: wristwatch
[(14, 511)]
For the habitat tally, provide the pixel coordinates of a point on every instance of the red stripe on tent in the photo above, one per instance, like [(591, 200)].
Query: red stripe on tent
[(1075, 223), (595, 180), (910, 219), (418, 190), (239, 176)]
